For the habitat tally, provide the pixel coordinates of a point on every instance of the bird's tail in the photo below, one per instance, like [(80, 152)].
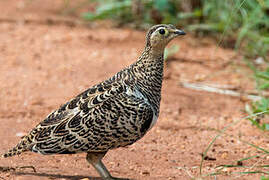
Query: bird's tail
[(21, 147)]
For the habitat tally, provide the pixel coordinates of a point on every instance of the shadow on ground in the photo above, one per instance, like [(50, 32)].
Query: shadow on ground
[(59, 176)]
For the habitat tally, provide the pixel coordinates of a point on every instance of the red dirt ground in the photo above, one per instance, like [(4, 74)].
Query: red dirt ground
[(45, 61)]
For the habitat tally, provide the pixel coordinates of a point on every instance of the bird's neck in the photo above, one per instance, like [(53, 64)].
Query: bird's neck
[(148, 71), (150, 62), (149, 65)]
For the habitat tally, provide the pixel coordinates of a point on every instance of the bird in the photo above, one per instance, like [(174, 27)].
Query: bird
[(114, 113)]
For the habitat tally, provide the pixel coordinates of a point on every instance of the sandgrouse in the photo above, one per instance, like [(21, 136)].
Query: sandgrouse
[(115, 113)]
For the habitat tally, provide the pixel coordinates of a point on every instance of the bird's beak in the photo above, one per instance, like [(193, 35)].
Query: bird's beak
[(179, 32)]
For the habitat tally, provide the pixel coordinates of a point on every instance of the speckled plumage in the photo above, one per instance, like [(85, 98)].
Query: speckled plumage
[(115, 113)]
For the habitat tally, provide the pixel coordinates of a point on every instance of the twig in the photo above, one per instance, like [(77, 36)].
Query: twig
[(237, 88), (205, 87)]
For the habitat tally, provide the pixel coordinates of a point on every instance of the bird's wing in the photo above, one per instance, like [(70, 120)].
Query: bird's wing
[(82, 103), (93, 120)]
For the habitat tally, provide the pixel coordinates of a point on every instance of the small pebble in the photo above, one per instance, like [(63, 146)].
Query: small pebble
[(145, 173), (20, 134)]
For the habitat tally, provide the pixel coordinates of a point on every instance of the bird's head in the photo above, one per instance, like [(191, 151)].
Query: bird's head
[(160, 35)]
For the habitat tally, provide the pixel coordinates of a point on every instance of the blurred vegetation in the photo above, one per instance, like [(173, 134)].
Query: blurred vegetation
[(243, 23), (265, 178), (258, 107), (262, 83)]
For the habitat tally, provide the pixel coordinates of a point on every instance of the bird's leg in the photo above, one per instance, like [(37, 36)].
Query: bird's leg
[(95, 159)]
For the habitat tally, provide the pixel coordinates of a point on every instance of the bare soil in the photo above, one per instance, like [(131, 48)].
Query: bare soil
[(46, 58)]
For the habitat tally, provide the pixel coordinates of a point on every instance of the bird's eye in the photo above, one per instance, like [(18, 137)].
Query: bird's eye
[(162, 31)]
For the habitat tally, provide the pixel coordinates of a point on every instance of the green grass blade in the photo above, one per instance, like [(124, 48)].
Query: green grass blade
[(222, 131)]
